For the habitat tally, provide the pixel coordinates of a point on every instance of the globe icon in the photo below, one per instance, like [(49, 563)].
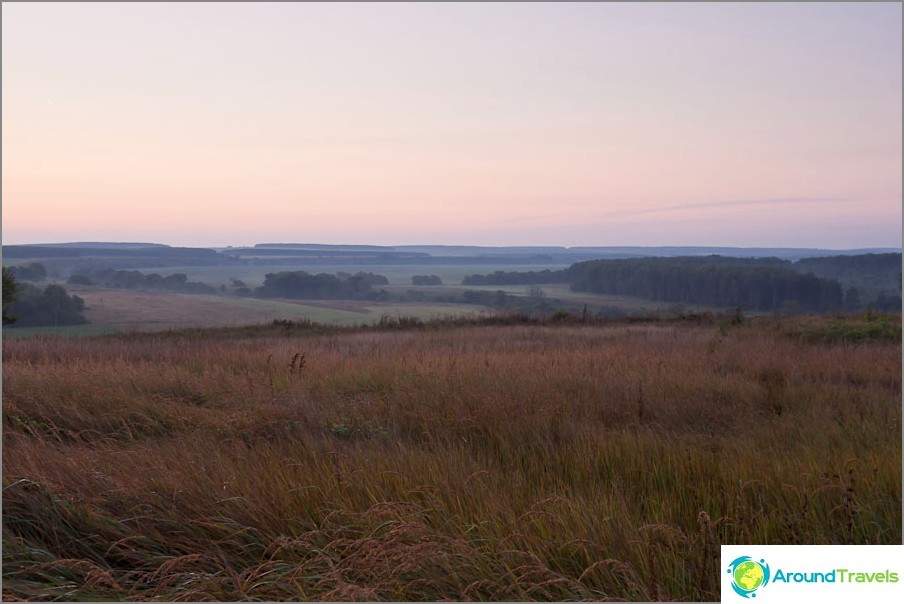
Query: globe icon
[(748, 575)]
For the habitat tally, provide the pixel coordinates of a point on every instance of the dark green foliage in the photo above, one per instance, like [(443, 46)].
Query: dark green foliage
[(426, 280), (864, 328), (836, 266), (52, 306), (886, 303), (852, 299), (760, 288), (371, 278), (303, 285), (871, 274), (34, 271), (761, 284), (10, 289), (132, 279)]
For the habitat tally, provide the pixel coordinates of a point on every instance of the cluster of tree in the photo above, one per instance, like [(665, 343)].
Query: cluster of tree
[(875, 278), (371, 278), (177, 282), (34, 271), (426, 280), (304, 285), (29, 306), (760, 288)]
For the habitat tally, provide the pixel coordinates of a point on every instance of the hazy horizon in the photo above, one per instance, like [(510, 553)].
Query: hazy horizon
[(441, 245), (566, 124)]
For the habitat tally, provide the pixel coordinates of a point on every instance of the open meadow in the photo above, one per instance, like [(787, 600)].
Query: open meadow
[(110, 310), (135, 310), (451, 460)]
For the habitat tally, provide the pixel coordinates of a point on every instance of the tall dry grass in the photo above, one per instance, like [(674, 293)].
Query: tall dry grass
[(494, 463)]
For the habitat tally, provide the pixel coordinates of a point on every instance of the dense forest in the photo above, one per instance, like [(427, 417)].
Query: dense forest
[(758, 288), (759, 284)]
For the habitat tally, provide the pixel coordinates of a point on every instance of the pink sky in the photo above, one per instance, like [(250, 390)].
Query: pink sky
[(494, 124)]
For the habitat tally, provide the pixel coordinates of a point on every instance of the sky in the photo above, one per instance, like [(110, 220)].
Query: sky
[(574, 124)]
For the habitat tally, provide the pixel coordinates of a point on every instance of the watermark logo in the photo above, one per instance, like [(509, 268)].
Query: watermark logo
[(748, 575), (812, 573)]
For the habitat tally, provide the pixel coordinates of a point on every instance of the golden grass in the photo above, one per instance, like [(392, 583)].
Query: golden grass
[(492, 463)]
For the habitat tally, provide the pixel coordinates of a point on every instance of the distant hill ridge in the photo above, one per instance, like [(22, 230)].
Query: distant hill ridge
[(787, 253), (556, 254), (72, 251), (100, 244)]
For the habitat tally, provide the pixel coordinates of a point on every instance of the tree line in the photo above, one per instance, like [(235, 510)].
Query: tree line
[(307, 286), (133, 279), (759, 284), (758, 288), (34, 271)]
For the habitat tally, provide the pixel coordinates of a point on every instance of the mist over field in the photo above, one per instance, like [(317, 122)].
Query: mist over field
[(122, 287)]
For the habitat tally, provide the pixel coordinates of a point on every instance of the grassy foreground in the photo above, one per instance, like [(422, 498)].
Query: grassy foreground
[(525, 462)]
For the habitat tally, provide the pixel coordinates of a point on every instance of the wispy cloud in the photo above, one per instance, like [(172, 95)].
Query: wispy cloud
[(778, 201)]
